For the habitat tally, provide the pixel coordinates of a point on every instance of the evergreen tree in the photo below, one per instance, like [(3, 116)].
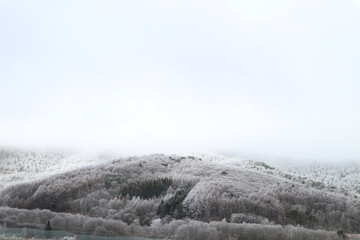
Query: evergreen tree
[(48, 226)]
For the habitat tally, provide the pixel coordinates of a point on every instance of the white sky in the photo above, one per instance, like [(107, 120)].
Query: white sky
[(279, 78)]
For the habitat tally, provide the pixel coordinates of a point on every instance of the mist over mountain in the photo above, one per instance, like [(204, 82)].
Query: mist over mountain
[(185, 120)]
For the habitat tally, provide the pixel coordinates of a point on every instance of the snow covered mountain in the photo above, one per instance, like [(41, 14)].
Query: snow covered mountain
[(156, 191)]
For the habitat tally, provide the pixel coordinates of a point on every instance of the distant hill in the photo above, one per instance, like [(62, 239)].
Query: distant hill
[(18, 165), (342, 176), (160, 189)]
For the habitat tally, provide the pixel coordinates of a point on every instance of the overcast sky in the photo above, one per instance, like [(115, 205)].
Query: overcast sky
[(276, 78)]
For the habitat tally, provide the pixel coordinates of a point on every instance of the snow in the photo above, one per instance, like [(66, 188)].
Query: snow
[(341, 177), (18, 166)]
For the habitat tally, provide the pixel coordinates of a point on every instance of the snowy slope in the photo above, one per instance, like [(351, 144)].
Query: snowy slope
[(17, 166), (140, 189), (340, 177)]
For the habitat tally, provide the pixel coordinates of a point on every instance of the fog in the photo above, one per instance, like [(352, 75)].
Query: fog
[(262, 78)]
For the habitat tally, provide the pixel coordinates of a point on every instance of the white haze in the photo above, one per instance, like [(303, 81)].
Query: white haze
[(262, 78)]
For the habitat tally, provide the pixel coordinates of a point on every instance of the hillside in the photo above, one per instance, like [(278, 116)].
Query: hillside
[(342, 177), (160, 191), (17, 165)]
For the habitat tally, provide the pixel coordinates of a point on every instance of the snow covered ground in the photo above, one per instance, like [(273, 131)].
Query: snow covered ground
[(17, 166), (342, 177)]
